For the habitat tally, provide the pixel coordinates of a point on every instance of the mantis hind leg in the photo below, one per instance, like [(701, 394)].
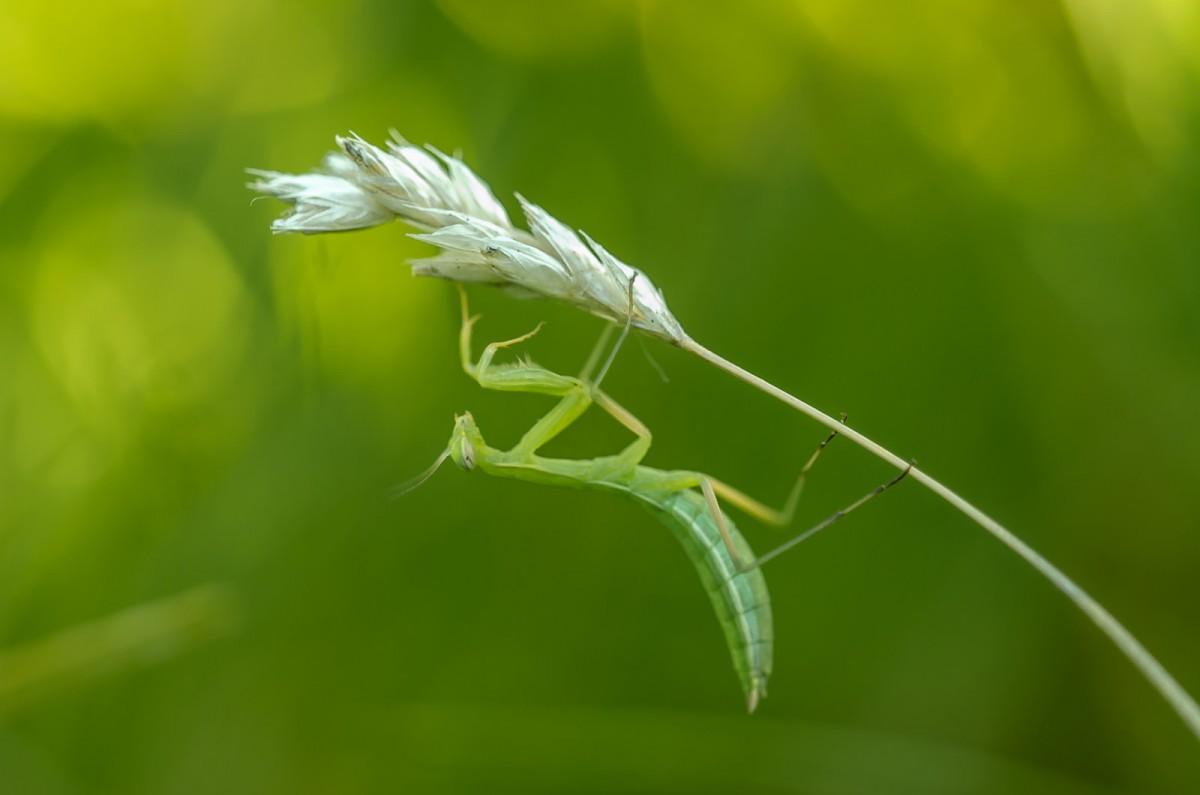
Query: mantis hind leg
[(713, 488), (764, 513), (707, 486)]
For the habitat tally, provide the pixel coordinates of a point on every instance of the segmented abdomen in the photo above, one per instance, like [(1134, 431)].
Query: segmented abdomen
[(740, 599)]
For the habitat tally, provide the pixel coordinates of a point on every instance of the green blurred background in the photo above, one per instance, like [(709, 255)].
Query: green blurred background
[(973, 226)]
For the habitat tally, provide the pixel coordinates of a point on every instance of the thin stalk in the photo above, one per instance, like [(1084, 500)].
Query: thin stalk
[(1183, 704)]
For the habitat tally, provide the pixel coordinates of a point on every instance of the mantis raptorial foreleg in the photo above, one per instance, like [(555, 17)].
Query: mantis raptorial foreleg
[(576, 393)]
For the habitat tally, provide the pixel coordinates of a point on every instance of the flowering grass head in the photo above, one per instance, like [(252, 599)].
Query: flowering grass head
[(363, 186)]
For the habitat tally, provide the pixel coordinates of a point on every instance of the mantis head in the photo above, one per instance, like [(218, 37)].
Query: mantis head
[(464, 442)]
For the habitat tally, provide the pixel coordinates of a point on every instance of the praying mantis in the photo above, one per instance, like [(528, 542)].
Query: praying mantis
[(685, 501)]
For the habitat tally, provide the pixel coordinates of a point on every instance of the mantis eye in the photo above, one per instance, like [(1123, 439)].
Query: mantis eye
[(463, 453), (468, 456)]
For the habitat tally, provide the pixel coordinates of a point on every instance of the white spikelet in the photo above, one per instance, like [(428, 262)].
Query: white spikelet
[(363, 186)]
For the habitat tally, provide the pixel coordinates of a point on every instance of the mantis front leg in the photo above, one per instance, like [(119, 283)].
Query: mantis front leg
[(575, 393)]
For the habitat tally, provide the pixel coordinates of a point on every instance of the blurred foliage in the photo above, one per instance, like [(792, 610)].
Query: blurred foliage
[(973, 226)]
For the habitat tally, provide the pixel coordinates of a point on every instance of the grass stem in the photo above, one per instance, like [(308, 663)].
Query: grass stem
[(1144, 661)]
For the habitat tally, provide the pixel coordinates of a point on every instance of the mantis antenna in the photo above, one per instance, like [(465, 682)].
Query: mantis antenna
[(404, 488)]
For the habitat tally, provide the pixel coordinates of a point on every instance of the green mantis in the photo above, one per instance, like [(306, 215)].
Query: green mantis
[(685, 501)]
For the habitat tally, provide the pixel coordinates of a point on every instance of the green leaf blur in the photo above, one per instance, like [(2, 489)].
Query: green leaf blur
[(975, 227)]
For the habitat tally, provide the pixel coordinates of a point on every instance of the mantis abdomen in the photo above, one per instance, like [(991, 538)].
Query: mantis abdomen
[(740, 599)]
